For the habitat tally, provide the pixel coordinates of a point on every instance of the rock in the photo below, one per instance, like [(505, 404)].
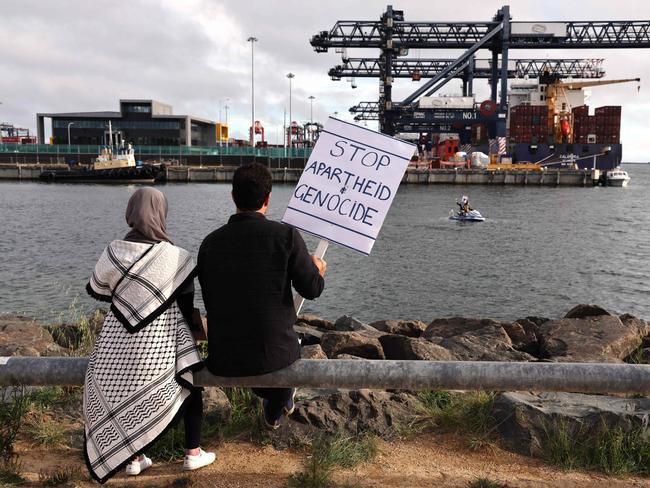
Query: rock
[(355, 343), (448, 327), (523, 335), (537, 320), (348, 323), (312, 352), (314, 321), (376, 412), (603, 338), (401, 347), (584, 310), (640, 324), (216, 406), (21, 336), (346, 356), (308, 335), (524, 419), (410, 328), (489, 343)]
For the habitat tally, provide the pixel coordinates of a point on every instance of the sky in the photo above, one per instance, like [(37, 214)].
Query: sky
[(82, 55)]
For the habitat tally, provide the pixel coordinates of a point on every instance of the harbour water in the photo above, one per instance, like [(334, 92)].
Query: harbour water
[(541, 250)]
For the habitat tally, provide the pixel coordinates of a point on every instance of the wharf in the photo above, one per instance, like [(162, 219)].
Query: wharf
[(423, 176)]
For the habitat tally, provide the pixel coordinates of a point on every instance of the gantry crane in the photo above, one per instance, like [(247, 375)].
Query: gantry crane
[(394, 36)]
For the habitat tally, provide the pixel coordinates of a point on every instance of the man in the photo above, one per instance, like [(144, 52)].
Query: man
[(246, 270)]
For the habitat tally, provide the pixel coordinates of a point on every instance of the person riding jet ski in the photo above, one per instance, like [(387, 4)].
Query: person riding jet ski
[(464, 205)]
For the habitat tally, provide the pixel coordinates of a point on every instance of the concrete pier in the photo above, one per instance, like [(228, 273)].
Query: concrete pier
[(421, 176)]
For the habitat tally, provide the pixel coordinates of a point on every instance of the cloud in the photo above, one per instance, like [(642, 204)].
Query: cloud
[(76, 55)]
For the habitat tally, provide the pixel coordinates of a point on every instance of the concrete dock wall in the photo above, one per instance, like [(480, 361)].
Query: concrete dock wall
[(223, 174)]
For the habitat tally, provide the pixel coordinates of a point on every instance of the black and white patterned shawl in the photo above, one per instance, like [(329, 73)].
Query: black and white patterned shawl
[(141, 366)]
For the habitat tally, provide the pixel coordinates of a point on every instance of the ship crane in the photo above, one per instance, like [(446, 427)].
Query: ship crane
[(562, 119)]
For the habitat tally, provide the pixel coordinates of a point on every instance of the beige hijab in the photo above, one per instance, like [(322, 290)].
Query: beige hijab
[(146, 214)]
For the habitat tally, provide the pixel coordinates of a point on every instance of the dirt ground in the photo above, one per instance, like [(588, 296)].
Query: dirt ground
[(426, 461)]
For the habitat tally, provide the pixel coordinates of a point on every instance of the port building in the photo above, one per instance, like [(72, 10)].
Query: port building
[(140, 122)]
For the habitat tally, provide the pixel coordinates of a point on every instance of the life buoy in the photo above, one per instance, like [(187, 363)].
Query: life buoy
[(488, 108)]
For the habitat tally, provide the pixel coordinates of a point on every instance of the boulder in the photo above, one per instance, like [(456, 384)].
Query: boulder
[(640, 324), (348, 324), (376, 412), (523, 334), (602, 338), (314, 321), (22, 336), (312, 352), (216, 406), (355, 343), (308, 335), (525, 419), (402, 347), (489, 343), (585, 310), (645, 355), (537, 320), (410, 328), (346, 356), (441, 329)]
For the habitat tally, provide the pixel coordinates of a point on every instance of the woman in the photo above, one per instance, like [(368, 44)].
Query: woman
[(140, 375)]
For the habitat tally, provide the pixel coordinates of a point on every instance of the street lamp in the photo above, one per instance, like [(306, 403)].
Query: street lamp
[(0, 130), (69, 124), (226, 107), (290, 76), (252, 40), (311, 108)]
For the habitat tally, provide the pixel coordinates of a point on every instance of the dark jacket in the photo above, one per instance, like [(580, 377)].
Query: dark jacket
[(246, 269)]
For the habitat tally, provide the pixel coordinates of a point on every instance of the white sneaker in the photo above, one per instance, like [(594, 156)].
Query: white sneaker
[(200, 460), (134, 468)]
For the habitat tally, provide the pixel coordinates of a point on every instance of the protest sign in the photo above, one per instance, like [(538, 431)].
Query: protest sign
[(348, 185)]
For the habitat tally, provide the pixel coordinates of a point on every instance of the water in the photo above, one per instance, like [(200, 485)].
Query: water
[(541, 251)]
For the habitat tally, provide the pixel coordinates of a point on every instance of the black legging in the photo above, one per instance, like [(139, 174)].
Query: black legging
[(193, 417)]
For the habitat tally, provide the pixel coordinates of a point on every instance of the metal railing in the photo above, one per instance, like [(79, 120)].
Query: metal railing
[(378, 374), (169, 152)]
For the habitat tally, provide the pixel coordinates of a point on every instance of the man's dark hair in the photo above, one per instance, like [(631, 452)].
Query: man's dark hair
[(251, 184)]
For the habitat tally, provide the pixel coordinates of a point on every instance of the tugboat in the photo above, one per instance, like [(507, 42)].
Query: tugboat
[(114, 164)]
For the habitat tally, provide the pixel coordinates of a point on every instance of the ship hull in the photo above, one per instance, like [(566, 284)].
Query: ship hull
[(140, 174)]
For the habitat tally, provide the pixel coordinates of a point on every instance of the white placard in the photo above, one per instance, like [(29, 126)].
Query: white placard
[(348, 185)]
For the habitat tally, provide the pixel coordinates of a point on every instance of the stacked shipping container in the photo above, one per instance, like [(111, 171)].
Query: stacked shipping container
[(529, 124), (604, 126)]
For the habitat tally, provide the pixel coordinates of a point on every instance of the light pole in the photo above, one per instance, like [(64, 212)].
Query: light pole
[(226, 109), (252, 40), (290, 76), (69, 124), (311, 108), (0, 129)]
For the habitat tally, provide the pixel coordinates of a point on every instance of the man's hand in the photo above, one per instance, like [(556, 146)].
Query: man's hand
[(320, 264)]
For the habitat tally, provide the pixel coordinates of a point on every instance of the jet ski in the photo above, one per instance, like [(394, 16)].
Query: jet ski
[(471, 216)]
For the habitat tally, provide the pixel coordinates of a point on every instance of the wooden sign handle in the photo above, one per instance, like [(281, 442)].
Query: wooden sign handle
[(320, 252)]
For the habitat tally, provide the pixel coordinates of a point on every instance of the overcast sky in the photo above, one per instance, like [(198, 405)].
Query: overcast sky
[(82, 55)]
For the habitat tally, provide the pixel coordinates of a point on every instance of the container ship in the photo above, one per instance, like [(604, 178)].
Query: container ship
[(549, 124)]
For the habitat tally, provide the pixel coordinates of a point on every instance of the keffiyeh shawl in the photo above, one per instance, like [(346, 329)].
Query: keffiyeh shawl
[(141, 366)]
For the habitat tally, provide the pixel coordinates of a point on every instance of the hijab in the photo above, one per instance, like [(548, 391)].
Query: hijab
[(146, 214)]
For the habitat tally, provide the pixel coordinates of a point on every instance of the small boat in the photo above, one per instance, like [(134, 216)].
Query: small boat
[(617, 177), (114, 164), (471, 216)]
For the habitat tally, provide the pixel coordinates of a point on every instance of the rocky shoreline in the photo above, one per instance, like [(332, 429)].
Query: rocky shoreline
[(587, 333)]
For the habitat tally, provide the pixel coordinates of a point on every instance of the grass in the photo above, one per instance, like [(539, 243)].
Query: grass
[(635, 357), (610, 450), (329, 452), (59, 476), (45, 431), (15, 405), (469, 414)]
